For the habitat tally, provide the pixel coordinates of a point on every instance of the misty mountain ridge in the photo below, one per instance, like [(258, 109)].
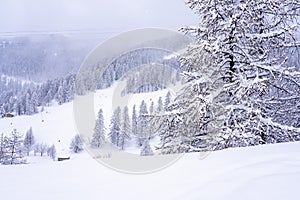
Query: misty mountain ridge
[(40, 58)]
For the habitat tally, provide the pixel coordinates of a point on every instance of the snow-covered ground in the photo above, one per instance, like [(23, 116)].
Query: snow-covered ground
[(261, 172)]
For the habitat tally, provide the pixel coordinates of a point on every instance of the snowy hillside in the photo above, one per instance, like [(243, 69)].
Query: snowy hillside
[(55, 125), (50, 126), (208, 112), (262, 172)]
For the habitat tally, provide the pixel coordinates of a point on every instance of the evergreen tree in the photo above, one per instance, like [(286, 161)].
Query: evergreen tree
[(239, 83), (150, 121), (98, 138), (70, 88), (29, 109), (59, 96), (18, 107), (48, 98), (159, 105), (2, 148), (13, 149), (143, 124), (143, 108), (125, 129), (2, 111), (151, 108), (35, 103), (146, 150), (134, 121), (167, 100), (76, 145), (115, 127), (29, 141)]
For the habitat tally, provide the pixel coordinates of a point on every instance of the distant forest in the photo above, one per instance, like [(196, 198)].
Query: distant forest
[(34, 72)]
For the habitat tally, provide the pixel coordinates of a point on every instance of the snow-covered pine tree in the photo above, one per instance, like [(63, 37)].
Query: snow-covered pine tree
[(29, 107), (115, 127), (151, 125), (134, 121), (35, 103), (59, 96), (250, 45), (76, 145), (18, 107), (235, 72), (194, 116), (13, 149), (98, 138), (29, 141), (143, 124), (125, 129), (159, 104), (167, 100), (2, 148), (151, 108), (48, 98), (70, 88), (2, 111), (143, 108), (146, 149)]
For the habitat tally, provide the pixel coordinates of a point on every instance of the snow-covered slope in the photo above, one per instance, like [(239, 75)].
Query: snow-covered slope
[(261, 172), (55, 125)]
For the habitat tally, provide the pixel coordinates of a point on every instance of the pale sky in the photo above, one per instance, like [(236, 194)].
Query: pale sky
[(92, 15)]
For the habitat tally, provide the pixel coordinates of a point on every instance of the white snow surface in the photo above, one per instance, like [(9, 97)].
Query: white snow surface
[(261, 172)]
